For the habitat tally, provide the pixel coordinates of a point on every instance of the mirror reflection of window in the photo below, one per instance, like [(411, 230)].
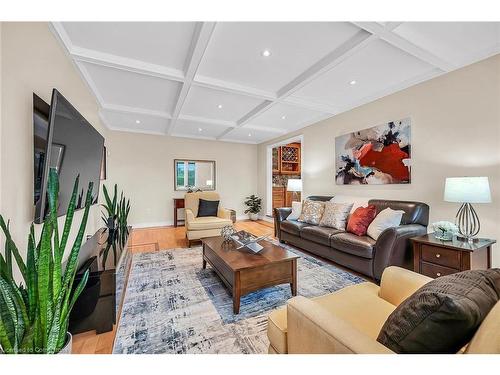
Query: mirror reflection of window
[(194, 174)]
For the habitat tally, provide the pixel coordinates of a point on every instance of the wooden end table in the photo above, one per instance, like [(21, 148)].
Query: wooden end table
[(435, 258), (244, 271)]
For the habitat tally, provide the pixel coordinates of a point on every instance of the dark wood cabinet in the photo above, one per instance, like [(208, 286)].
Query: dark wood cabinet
[(434, 258), (178, 204)]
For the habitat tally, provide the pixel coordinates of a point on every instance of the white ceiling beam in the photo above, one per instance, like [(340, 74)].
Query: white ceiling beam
[(125, 63), (397, 41), (334, 58), (199, 44), (344, 51), (205, 120), (233, 88), (135, 110)]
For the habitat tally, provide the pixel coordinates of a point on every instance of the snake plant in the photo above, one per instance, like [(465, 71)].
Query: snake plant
[(34, 314)]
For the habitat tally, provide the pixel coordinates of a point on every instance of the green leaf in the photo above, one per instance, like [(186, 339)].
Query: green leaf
[(44, 281), (11, 248), (70, 272), (32, 275), (9, 306)]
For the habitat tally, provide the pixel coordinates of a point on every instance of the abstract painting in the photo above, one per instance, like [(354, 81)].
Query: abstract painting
[(375, 156)]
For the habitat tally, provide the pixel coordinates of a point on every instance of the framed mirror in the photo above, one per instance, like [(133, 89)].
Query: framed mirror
[(194, 174)]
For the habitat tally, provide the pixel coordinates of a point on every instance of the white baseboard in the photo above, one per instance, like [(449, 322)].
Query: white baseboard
[(266, 218), (153, 224)]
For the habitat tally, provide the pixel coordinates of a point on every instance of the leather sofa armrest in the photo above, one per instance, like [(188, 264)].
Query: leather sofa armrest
[(398, 284), (313, 329), (393, 248), (189, 215), (224, 213), (280, 214)]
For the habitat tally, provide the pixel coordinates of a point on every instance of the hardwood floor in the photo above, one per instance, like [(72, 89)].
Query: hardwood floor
[(147, 240)]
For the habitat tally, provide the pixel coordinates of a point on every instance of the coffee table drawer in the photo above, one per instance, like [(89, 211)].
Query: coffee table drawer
[(268, 275), (441, 256), (435, 270)]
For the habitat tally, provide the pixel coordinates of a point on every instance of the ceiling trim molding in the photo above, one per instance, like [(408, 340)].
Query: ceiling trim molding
[(234, 88), (136, 110), (397, 41), (126, 64), (205, 120), (199, 44)]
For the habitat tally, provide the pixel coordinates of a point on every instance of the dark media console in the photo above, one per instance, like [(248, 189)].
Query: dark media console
[(99, 305)]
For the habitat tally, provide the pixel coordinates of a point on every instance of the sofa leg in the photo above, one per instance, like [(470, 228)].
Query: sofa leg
[(189, 243), (282, 241)]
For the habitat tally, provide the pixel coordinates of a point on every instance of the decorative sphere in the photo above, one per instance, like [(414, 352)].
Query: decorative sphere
[(226, 232)]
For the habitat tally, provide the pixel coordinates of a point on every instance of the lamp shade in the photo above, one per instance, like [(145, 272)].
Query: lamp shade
[(467, 190), (294, 184)]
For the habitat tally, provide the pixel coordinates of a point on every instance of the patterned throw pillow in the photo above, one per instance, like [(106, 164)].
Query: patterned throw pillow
[(335, 215), (312, 211)]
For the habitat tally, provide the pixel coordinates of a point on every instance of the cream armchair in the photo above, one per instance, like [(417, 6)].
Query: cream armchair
[(201, 227), (348, 321)]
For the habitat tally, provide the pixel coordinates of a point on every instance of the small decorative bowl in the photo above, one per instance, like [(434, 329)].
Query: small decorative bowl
[(444, 235)]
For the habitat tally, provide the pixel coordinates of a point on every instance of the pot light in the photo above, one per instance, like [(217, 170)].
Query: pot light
[(283, 117), (266, 53), (353, 82), (137, 121), (249, 134), (200, 129), (219, 106)]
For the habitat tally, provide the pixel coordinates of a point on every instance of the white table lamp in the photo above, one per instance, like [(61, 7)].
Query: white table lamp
[(467, 190)]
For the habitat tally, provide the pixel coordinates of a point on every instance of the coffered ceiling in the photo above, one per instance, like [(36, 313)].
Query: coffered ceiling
[(251, 82)]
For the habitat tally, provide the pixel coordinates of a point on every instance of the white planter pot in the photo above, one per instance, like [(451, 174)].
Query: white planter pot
[(253, 216), (66, 349)]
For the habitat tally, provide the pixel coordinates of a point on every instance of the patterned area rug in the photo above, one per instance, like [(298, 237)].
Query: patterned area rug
[(172, 305)]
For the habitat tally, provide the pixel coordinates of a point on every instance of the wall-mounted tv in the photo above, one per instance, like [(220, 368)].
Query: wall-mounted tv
[(72, 146)]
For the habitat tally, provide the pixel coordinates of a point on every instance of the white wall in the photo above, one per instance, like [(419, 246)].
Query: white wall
[(143, 166), (455, 132), (33, 61)]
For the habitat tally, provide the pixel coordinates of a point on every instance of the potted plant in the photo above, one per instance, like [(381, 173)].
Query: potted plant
[(254, 204), (34, 314)]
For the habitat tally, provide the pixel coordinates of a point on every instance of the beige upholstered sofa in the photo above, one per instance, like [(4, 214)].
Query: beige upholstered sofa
[(348, 321), (201, 227)]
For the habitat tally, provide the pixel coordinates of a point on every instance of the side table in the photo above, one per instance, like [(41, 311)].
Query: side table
[(435, 258)]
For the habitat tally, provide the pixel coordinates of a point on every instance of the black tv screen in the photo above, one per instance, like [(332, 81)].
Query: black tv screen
[(73, 147)]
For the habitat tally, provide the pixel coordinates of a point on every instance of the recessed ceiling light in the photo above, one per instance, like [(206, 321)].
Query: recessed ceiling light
[(266, 53), (353, 82), (219, 106), (200, 129), (137, 121), (249, 134), (283, 117)]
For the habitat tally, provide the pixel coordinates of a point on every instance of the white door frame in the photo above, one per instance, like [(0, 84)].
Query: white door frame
[(269, 168)]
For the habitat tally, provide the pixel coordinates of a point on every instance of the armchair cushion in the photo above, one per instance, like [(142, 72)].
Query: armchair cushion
[(443, 315), (208, 222), (207, 208)]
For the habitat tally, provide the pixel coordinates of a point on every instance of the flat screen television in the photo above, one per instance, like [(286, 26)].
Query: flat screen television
[(72, 146)]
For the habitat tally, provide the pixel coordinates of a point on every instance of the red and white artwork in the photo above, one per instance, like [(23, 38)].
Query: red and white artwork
[(374, 156)]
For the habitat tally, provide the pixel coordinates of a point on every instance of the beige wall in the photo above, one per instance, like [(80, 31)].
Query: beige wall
[(32, 61), (455, 132), (143, 166)]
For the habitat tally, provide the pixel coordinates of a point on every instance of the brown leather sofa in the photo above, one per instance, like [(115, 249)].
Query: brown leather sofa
[(359, 253)]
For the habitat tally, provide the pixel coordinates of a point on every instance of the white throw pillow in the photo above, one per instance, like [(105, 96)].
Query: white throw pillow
[(335, 215), (356, 201), (387, 218), (296, 211)]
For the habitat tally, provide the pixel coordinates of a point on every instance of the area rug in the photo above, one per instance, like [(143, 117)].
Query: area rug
[(172, 305)]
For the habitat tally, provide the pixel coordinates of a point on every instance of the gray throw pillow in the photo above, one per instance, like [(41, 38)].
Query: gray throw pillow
[(443, 315)]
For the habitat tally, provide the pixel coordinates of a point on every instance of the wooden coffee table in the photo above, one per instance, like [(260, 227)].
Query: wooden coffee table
[(243, 271)]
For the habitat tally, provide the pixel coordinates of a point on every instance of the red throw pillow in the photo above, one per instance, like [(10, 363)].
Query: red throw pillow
[(360, 220)]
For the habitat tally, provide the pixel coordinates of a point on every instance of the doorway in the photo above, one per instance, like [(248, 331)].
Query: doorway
[(284, 173)]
